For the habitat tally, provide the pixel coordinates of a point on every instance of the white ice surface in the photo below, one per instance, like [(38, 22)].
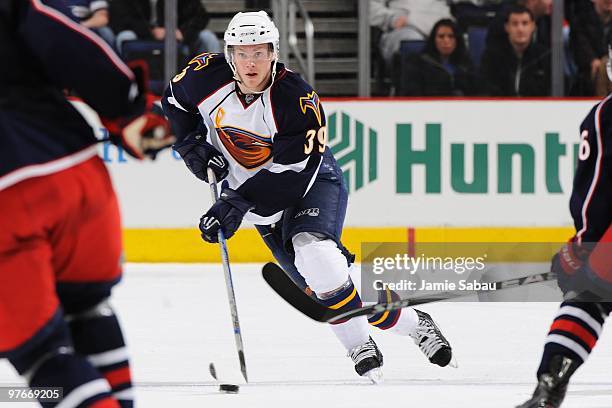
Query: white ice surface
[(177, 320)]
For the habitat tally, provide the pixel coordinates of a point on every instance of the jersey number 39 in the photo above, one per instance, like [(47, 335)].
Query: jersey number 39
[(321, 139)]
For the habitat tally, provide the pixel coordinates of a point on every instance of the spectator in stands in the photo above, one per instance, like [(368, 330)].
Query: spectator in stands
[(404, 20), (144, 19), (590, 34), (519, 67), (444, 68), (541, 10), (93, 14), (576, 7)]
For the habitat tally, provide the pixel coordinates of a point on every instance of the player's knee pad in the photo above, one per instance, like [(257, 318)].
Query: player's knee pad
[(101, 309), (325, 268), (272, 237), (96, 331), (53, 339), (320, 261), (97, 335), (79, 297)]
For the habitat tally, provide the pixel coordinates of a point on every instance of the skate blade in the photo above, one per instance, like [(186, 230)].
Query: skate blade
[(453, 363), (375, 375)]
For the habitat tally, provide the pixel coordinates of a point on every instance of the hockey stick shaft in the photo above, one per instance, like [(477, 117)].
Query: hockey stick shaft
[(229, 283), (284, 287), (409, 302)]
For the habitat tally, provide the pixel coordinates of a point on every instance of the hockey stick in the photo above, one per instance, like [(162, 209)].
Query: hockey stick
[(229, 284), (280, 282)]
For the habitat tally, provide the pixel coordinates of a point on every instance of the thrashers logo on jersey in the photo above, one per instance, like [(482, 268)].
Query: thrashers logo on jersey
[(249, 149), (311, 100), (198, 62), (201, 60)]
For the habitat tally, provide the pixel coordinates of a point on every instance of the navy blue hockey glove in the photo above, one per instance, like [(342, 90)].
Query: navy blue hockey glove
[(226, 214), (198, 155)]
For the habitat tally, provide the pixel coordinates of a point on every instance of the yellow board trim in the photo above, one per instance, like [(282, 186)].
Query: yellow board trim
[(494, 234), (185, 244)]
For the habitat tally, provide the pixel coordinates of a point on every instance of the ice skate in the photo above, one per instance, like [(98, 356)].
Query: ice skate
[(552, 385), (432, 342), (368, 361)]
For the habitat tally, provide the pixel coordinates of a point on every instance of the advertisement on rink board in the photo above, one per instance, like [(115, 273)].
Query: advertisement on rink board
[(419, 163)]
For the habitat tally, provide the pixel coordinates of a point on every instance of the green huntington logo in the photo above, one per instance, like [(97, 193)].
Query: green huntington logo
[(407, 157), (355, 149)]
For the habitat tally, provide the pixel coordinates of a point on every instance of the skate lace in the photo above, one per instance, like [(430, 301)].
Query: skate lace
[(428, 339), (363, 351)]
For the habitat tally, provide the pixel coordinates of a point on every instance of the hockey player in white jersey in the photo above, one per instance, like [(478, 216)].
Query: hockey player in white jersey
[(262, 130)]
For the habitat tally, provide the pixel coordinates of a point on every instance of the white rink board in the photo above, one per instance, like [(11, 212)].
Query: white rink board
[(165, 194), (177, 320), (465, 122)]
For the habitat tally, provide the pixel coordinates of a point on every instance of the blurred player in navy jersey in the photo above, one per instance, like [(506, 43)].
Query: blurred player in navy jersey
[(583, 265), (60, 237), (262, 130)]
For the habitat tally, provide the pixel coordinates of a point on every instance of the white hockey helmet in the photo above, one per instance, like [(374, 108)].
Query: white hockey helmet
[(251, 28)]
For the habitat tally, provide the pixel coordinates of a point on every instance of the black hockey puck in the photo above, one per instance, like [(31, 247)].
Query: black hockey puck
[(229, 388)]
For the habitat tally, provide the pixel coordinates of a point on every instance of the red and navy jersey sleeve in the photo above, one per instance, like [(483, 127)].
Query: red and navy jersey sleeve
[(591, 201), (73, 57), (43, 52), (202, 76), (297, 147)]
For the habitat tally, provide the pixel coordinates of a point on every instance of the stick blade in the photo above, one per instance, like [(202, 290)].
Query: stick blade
[(243, 369), (292, 294)]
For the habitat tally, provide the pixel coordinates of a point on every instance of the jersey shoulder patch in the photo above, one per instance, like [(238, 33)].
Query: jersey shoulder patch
[(296, 104), (204, 74)]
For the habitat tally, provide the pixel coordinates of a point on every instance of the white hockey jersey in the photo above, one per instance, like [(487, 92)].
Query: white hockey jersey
[(274, 141)]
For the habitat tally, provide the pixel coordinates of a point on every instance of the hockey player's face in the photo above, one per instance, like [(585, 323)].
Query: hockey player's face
[(253, 65)]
